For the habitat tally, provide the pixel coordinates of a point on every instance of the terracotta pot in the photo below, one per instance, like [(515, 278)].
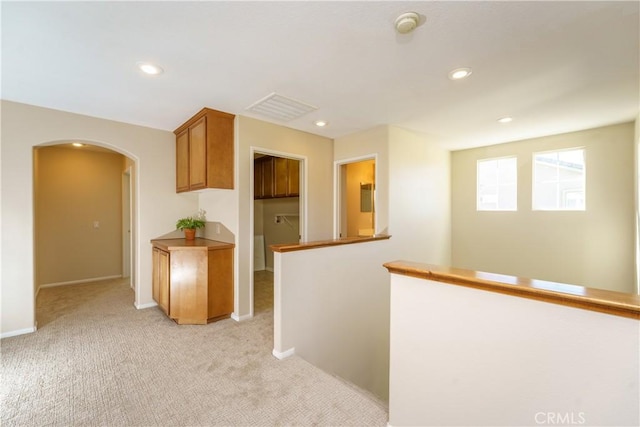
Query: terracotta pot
[(190, 233)]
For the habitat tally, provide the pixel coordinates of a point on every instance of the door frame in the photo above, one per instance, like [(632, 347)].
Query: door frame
[(302, 206), (127, 225), (338, 190)]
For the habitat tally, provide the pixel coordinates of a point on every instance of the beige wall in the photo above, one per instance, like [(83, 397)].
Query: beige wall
[(413, 190), (317, 152), (282, 232), (636, 157), (75, 187), (366, 144), (157, 204), (332, 304), (593, 248)]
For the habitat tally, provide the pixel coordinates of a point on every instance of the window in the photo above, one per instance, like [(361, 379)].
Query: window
[(497, 184), (559, 180)]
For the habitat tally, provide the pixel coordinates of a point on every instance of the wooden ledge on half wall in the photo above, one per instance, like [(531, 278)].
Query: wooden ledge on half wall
[(600, 300), (290, 247)]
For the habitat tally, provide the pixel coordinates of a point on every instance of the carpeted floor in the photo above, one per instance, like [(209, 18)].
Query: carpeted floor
[(97, 361)]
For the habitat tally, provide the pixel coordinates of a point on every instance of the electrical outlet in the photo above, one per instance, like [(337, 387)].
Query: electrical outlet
[(96, 224)]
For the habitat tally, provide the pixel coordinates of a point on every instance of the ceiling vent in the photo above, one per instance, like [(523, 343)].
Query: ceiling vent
[(280, 107)]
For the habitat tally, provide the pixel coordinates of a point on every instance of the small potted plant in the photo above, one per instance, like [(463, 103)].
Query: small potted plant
[(191, 223)]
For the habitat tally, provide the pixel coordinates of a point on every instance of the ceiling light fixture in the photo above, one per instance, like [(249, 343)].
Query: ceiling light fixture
[(321, 123), (77, 144), (149, 68), (460, 73), (407, 22), (505, 119)]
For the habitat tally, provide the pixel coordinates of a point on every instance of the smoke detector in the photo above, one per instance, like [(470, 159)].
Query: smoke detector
[(407, 22)]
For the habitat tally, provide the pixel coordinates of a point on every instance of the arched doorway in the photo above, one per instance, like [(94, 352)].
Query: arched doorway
[(84, 211)]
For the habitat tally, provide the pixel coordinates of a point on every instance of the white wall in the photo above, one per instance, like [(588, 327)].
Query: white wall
[(593, 248), (158, 206), (462, 356), (331, 305), (419, 197)]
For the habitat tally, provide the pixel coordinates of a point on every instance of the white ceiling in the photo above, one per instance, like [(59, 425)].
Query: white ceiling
[(553, 66)]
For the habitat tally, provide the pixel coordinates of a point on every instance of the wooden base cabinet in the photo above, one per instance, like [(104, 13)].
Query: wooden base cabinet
[(193, 280)]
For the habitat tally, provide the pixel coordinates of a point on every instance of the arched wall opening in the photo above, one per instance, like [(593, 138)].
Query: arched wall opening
[(85, 214)]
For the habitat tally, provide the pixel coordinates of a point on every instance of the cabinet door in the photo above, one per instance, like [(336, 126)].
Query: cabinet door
[(220, 283), (155, 280), (163, 278), (257, 179), (182, 161), (280, 177), (188, 291), (198, 154), (293, 176), (267, 177)]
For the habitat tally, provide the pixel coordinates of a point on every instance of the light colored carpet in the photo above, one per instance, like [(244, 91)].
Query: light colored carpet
[(97, 361)]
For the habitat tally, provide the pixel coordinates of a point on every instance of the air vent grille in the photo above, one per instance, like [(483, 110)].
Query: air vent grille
[(280, 107)]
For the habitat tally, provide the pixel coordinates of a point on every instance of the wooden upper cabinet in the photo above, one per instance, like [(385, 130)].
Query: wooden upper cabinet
[(198, 155), (267, 177), (182, 161), (204, 151), (281, 179), (276, 177), (293, 183)]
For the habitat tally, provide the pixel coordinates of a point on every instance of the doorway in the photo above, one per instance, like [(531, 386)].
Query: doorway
[(83, 209), (355, 207), (277, 216)]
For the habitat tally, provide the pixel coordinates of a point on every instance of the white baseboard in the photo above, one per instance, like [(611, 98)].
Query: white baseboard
[(284, 354), (237, 318), (147, 305), (75, 282), (18, 332)]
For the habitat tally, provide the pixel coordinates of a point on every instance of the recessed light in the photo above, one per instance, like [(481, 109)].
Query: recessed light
[(149, 68), (460, 73), (321, 123), (77, 144), (505, 119)]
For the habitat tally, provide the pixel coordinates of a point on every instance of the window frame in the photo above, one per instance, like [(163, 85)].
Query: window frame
[(558, 181)]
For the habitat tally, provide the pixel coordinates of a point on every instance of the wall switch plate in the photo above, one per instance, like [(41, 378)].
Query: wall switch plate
[(217, 228), (96, 224)]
